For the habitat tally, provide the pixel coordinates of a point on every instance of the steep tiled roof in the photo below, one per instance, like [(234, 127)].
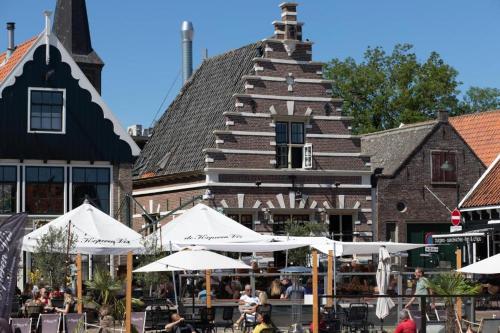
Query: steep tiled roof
[(481, 131), (486, 192), (17, 55), (186, 128), (389, 149)]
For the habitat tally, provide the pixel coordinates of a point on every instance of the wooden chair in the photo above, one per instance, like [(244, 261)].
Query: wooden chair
[(486, 325)]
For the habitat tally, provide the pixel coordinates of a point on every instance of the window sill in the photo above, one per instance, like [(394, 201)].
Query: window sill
[(46, 132)]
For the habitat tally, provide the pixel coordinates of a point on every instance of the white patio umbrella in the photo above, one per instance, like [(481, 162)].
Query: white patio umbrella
[(96, 233), (489, 265), (384, 304), (203, 225), (192, 259)]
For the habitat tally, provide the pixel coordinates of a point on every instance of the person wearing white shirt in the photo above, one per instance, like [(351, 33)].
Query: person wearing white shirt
[(248, 305)]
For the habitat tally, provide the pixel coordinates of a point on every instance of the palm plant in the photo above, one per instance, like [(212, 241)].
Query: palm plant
[(106, 289), (451, 284)]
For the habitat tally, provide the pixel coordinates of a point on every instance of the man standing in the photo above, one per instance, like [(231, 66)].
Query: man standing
[(406, 325), (422, 287)]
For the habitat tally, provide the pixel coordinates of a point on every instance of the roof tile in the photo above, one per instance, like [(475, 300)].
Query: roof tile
[(14, 59), (487, 192), (481, 131)]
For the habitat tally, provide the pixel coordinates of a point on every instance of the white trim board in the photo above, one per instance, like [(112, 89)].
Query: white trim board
[(286, 172), (289, 98), (77, 74)]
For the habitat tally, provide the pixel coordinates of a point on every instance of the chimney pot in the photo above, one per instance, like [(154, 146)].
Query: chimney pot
[(11, 26), (442, 116), (187, 33)]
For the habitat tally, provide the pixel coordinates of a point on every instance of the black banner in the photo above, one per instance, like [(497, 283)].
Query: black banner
[(11, 237)]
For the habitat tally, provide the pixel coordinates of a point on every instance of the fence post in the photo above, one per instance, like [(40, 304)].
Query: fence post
[(423, 314)]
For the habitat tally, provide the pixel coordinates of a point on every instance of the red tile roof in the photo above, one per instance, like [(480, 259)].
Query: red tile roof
[(14, 59), (481, 131), (487, 191)]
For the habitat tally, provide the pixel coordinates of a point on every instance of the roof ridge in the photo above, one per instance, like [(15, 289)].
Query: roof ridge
[(8, 65), (403, 128), (475, 113)]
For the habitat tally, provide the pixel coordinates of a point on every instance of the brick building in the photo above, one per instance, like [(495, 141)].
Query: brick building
[(258, 128), (60, 141), (419, 170)]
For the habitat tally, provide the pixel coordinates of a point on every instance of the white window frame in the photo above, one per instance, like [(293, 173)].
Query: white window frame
[(63, 116), (307, 156), (291, 145)]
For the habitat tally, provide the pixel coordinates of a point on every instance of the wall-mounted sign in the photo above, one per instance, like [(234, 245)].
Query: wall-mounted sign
[(454, 239)]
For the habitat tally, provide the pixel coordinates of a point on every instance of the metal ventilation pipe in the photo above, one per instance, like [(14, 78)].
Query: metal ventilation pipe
[(187, 33), (10, 37)]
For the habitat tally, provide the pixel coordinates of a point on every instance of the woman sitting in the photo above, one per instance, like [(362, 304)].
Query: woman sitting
[(69, 303), (264, 321)]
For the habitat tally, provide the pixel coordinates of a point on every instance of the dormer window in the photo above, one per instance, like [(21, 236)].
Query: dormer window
[(46, 110)]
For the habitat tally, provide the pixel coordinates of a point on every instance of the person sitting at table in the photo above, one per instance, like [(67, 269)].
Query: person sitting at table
[(177, 325), (406, 325), (248, 305), (44, 297), (69, 303), (275, 289), (202, 295), (264, 321), (35, 300)]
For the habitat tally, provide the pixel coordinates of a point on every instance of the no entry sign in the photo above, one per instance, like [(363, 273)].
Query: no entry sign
[(456, 217)]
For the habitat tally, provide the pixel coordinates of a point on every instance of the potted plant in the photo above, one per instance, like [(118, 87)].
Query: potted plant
[(105, 289), (449, 284)]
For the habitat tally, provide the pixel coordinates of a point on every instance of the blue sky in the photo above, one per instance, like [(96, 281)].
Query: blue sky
[(140, 41)]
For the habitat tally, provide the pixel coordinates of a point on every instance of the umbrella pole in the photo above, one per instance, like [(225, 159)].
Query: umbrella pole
[(208, 288), (315, 291), (173, 280), (79, 283), (458, 254), (128, 297), (334, 274), (329, 286)]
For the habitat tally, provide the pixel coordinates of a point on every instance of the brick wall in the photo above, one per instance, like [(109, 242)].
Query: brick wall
[(408, 185)]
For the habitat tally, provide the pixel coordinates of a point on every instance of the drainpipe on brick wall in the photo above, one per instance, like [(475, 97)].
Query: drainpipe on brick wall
[(374, 191)]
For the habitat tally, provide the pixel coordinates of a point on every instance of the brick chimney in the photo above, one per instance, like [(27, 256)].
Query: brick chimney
[(442, 116), (288, 29)]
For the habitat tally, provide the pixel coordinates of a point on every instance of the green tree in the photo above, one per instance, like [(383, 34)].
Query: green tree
[(385, 90), (152, 253), (298, 257), (51, 257), (448, 284), (478, 99)]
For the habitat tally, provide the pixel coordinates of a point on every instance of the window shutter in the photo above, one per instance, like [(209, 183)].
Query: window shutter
[(307, 162), (436, 166), (451, 176)]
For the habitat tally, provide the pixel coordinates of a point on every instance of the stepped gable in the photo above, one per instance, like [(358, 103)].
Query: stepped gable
[(187, 126)]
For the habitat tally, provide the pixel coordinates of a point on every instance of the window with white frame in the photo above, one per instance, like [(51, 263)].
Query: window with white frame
[(44, 190), (92, 184), (291, 150), (8, 189), (46, 110)]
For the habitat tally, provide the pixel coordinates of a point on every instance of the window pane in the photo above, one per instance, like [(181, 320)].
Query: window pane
[(36, 97), (103, 175), (91, 175), (281, 132), (46, 123), (36, 123), (78, 175), (31, 174), (57, 174), (56, 124), (297, 157), (57, 98), (46, 109), (44, 174), (56, 110), (46, 97), (282, 156), (437, 161), (9, 174), (36, 110), (298, 133), (45, 198)]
